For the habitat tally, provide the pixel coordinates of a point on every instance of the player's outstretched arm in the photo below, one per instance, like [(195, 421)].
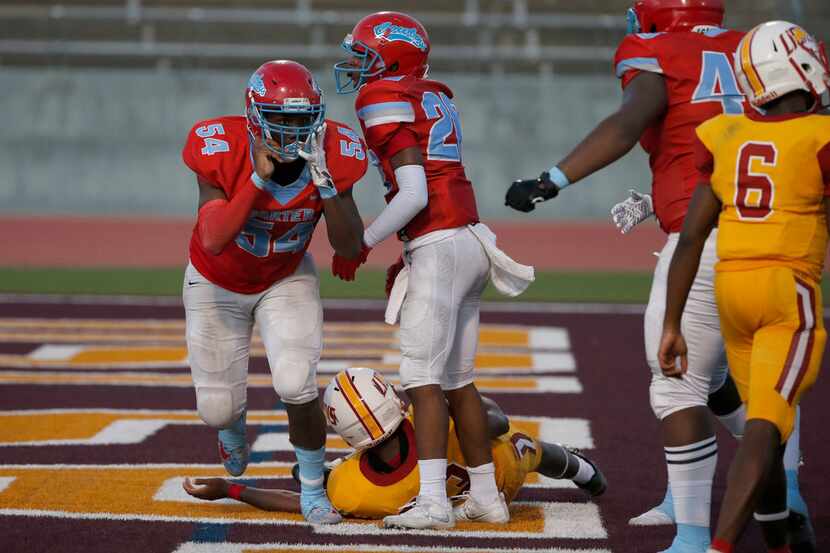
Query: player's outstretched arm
[(212, 489), (645, 100), (700, 220)]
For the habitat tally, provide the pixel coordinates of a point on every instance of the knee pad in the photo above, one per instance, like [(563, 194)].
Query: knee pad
[(295, 381), (216, 406)]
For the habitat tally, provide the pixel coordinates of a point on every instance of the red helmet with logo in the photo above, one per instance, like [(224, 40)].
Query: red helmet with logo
[(283, 105), (658, 16), (384, 44)]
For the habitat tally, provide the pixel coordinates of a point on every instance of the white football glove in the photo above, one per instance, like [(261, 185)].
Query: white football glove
[(316, 159), (632, 211)]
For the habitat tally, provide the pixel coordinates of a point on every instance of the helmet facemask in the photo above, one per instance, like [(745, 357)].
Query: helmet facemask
[(287, 128), (364, 63)]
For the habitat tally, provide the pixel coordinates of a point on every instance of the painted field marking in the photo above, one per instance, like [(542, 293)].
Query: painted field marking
[(226, 547), (5, 481), (490, 383)]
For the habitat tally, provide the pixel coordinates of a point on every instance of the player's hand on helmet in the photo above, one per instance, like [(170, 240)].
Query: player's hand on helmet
[(316, 159), (672, 354), (523, 195), (632, 211), (344, 268), (210, 489), (263, 162), (392, 274)]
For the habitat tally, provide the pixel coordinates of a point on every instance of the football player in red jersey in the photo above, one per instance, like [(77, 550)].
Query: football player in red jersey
[(413, 130), (265, 180), (676, 72)]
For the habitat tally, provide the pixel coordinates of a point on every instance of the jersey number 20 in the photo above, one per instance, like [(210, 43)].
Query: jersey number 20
[(440, 107)]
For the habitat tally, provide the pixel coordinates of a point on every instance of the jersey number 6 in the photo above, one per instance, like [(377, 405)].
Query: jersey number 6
[(755, 192)]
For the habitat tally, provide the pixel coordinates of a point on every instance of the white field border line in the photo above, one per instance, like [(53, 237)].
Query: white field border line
[(202, 547), (359, 305), (553, 384), (592, 528)]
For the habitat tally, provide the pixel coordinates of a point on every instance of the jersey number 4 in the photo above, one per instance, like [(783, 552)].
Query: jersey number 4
[(755, 192), (718, 84), (448, 124)]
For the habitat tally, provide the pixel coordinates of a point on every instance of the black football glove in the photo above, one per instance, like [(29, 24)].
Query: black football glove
[(523, 195)]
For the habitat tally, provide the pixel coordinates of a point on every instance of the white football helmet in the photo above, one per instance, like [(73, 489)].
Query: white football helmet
[(776, 58), (362, 407)]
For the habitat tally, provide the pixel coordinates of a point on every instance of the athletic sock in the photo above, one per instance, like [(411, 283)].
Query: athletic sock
[(433, 478), (735, 421), (691, 469), (311, 469), (584, 473), (483, 483), (792, 461)]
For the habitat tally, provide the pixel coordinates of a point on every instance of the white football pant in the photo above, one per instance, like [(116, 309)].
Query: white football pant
[(440, 314), (219, 327), (701, 329)]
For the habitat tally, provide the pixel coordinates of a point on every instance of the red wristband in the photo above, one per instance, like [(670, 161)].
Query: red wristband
[(722, 546), (235, 491)]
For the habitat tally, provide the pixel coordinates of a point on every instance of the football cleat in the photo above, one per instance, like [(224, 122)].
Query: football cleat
[(597, 485), (423, 513), (317, 508), (233, 449), (473, 511)]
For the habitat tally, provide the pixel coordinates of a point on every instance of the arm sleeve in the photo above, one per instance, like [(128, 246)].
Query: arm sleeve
[(219, 221), (635, 54), (824, 164), (411, 198)]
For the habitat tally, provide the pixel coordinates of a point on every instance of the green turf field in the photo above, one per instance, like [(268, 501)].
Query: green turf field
[(565, 287), (549, 286)]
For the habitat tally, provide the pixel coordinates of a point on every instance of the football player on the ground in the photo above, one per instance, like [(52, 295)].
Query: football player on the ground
[(676, 72), (765, 183), (413, 129), (382, 475), (264, 182)]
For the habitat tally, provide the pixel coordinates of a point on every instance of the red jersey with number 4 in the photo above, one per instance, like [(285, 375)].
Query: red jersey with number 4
[(275, 237), (398, 113), (701, 83)]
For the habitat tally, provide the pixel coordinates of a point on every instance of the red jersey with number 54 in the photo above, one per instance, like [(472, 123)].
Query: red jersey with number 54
[(701, 83), (276, 235), (397, 113)]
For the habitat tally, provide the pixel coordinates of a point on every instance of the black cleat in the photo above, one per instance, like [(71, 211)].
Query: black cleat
[(802, 538), (597, 485)]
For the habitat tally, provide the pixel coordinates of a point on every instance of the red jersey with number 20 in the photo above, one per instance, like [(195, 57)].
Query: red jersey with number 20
[(276, 235), (397, 113), (701, 83)]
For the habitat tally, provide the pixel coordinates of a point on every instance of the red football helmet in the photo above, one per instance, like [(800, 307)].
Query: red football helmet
[(384, 44), (284, 105), (658, 16)]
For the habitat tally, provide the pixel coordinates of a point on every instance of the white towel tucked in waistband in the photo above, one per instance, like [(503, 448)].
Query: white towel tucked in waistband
[(509, 277)]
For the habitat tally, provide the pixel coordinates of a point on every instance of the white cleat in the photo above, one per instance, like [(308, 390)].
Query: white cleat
[(473, 511), (653, 517), (426, 513)]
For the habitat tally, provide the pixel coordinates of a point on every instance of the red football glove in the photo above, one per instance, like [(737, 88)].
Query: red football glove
[(391, 274), (345, 269)]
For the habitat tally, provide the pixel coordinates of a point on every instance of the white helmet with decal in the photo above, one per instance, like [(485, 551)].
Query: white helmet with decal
[(362, 407), (776, 58)]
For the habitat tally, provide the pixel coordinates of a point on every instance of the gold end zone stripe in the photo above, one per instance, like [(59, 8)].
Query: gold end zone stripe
[(748, 66), (355, 401)]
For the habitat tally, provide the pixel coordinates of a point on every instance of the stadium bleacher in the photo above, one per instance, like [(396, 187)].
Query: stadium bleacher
[(562, 36)]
